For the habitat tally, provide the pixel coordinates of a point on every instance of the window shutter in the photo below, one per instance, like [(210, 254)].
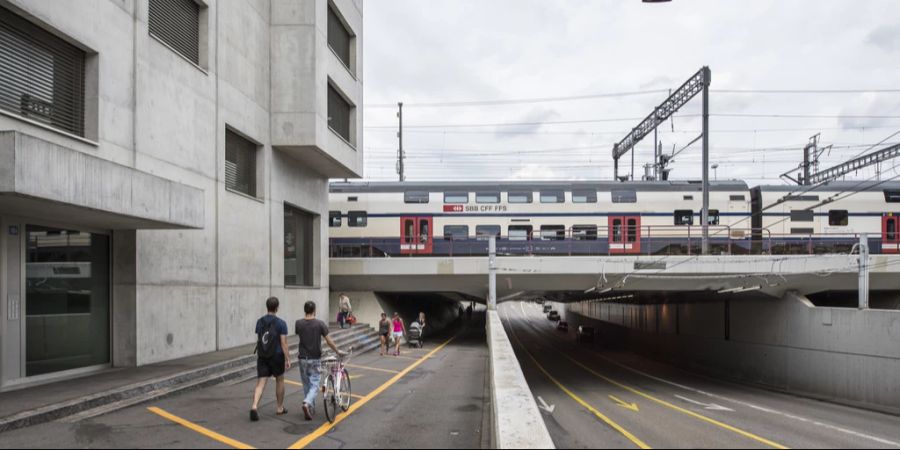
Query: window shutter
[(177, 23), (240, 164)]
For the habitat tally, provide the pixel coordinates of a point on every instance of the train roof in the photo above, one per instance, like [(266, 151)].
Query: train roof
[(840, 186), (470, 186)]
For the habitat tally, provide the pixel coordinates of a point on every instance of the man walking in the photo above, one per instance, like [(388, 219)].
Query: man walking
[(273, 357), (345, 310), (311, 332)]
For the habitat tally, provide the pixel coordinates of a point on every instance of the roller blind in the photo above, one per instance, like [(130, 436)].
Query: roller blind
[(240, 164), (339, 112), (177, 23), (41, 75)]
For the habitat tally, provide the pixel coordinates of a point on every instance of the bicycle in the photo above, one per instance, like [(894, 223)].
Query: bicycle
[(336, 389)]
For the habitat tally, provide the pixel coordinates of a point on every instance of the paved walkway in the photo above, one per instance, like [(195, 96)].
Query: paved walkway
[(429, 398)]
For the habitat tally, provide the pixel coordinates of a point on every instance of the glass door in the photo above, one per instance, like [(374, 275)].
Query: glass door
[(890, 235), (624, 235), (416, 235)]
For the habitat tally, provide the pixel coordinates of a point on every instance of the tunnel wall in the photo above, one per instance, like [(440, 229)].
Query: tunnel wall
[(842, 355), (440, 311)]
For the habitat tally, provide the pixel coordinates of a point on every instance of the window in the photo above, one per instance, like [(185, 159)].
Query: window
[(802, 198), (714, 217), (340, 114), (520, 197), (624, 196), (617, 230), (802, 231), (456, 198), (177, 24), (41, 76), (416, 197), (240, 164), (688, 198), (891, 230), (584, 232), (353, 199), (553, 233), (584, 196), (357, 219), (335, 220), (632, 229), (520, 232), (892, 196), (486, 231), (340, 38), (738, 198), (299, 248), (487, 197), (684, 217), (456, 232), (553, 197), (803, 215), (838, 218)]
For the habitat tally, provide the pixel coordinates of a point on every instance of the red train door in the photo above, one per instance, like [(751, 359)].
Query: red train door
[(624, 235), (416, 235), (890, 230)]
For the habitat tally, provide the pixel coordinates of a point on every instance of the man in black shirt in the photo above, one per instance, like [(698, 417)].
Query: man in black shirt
[(311, 332), (274, 357)]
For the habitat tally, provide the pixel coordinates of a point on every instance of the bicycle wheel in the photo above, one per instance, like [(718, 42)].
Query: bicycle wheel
[(345, 395), (330, 405)]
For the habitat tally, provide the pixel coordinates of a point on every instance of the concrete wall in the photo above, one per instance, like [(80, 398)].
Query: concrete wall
[(842, 355), (183, 292)]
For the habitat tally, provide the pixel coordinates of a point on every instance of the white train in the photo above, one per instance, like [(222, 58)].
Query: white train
[(607, 218)]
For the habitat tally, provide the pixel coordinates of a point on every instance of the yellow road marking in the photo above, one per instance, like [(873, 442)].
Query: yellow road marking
[(410, 357), (578, 399), (677, 408), (631, 406), (375, 369), (194, 427), (325, 428)]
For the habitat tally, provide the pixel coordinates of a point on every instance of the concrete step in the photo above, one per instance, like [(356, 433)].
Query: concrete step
[(100, 403)]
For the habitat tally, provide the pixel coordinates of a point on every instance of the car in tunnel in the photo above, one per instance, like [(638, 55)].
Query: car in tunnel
[(562, 326), (553, 316), (585, 335)]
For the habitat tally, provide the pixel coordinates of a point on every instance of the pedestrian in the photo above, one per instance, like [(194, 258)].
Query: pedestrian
[(384, 331), (421, 322), (469, 313), (345, 309), (273, 357), (311, 331), (399, 332)]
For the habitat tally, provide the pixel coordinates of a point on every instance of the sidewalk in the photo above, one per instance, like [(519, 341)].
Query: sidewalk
[(109, 390)]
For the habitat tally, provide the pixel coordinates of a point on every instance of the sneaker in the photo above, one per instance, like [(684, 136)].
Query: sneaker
[(254, 415), (307, 412)]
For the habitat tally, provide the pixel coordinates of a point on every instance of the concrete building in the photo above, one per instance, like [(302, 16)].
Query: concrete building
[(164, 168)]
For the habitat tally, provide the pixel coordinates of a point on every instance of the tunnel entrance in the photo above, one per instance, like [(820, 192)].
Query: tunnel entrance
[(887, 300)]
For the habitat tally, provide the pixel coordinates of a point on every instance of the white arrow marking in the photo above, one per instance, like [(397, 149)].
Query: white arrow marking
[(546, 408), (709, 406)]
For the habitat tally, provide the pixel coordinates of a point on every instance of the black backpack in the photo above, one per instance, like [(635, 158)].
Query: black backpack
[(268, 341)]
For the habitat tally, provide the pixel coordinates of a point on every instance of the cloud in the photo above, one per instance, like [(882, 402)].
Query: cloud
[(532, 118), (886, 38), (876, 106)]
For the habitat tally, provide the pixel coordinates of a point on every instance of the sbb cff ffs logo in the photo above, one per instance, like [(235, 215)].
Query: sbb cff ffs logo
[(454, 208)]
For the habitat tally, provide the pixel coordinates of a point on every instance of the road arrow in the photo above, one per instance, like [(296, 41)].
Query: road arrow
[(546, 408), (709, 406), (631, 406)]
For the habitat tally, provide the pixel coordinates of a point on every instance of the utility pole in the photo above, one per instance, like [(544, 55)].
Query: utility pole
[(401, 170), (864, 271), (705, 215), (492, 274)]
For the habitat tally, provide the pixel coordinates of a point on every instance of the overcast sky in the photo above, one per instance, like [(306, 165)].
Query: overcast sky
[(448, 51)]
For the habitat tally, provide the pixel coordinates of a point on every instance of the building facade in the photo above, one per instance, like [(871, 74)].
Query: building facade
[(164, 169)]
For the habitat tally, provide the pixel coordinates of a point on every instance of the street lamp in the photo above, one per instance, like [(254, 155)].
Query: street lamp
[(715, 167)]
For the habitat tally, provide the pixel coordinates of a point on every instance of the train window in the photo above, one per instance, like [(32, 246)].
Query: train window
[(520, 232), (714, 218), (624, 196), (803, 215), (424, 231), (838, 218), (456, 232), (486, 231), (738, 198), (684, 217), (553, 197), (584, 196), (688, 198), (334, 219), (352, 199), (617, 230), (409, 231), (632, 230), (891, 230), (584, 232), (520, 197), (358, 219), (487, 197), (892, 196), (802, 231), (802, 198), (416, 197), (553, 233), (456, 198)]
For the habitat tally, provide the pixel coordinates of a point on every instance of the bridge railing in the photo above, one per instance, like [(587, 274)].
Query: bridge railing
[(652, 240)]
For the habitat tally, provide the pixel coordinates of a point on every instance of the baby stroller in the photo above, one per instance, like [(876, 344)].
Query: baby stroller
[(414, 335)]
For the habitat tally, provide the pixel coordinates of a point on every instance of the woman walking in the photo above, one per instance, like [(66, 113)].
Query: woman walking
[(384, 331), (399, 332)]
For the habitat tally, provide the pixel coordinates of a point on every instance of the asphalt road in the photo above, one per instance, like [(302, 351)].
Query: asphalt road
[(602, 399), (428, 398)]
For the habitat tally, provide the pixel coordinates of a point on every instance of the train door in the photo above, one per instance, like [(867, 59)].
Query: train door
[(890, 234), (416, 235), (625, 235)]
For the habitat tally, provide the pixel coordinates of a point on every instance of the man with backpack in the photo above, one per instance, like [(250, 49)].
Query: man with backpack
[(273, 357)]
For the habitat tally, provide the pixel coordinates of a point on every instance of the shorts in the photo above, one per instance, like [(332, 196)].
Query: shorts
[(398, 334), (273, 367)]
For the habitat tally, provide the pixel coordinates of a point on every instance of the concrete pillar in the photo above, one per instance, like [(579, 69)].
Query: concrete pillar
[(864, 271), (492, 276)]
